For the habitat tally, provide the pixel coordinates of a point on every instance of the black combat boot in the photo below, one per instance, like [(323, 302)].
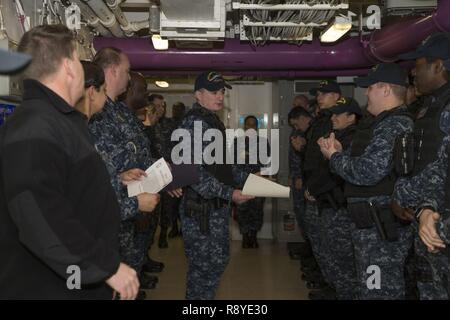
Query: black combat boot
[(162, 243)]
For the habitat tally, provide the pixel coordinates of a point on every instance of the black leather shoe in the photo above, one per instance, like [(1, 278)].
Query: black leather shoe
[(141, 295), (148, 281), (152, 266)]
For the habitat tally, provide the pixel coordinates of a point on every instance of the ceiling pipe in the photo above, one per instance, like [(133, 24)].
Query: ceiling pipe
[(345, 57), (154, 19), (135, 26), (264, 73), (107, 18), (92, 18), (114, 6)]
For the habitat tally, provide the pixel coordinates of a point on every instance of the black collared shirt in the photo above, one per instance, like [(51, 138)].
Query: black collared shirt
[(58, 211)]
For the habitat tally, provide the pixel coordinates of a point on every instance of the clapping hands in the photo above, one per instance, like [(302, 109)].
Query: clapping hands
[(329, 146)]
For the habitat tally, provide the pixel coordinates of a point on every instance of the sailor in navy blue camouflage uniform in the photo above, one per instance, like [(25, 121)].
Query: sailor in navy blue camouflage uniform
[(251, 213), (381, 242), (299, 119), (205, 207), (123, 146), (433, 215), (327, 94), (432, 129), (336, 254), (136, 98), (162, 146)]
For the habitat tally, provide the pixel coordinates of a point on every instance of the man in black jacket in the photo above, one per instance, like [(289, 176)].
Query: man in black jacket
[(59, 216)]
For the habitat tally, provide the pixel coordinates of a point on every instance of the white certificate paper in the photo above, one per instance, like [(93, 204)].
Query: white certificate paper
[(158, 176), (261, 187)]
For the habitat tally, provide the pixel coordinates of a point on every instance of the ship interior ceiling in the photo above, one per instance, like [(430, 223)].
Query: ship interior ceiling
[(247, 40), (268, 50)]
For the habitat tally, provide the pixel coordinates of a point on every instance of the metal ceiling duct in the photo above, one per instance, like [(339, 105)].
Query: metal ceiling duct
[(345, 57), (198, 10)]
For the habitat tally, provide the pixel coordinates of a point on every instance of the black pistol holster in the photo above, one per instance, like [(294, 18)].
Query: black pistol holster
[(366, 215), (198, 208)]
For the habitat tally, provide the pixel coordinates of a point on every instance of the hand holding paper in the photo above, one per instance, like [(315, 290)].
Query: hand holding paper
[(132, 175), (162, 177), (240, 198), (148, 201), (158, 176)]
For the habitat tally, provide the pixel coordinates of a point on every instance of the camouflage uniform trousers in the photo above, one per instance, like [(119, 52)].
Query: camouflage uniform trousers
[(418, 272), (436, 268), (389, 256), (411, 274), (250, 215), (314, 232), (298, 200), (128, 250), (207, 255), (337, 251), (144, 238)]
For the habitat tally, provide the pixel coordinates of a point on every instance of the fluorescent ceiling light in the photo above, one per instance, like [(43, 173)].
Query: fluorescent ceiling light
[(162, 84), (159, 43), (336, 30)]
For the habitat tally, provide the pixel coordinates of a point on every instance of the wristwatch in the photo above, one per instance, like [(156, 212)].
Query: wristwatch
[(419, 211)]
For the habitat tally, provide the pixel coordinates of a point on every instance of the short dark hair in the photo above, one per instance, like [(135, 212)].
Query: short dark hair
[(154, 96), (108, 56), (48, 45), (252, 117), (93, 75), (178, 110), (136, 94), (297, 112)]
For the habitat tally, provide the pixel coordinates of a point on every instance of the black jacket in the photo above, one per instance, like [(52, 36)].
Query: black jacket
[(313, 158), (57, 207)]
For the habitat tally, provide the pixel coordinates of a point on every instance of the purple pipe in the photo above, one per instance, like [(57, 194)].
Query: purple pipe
[(274, 74), (265, 73), (349, 57)]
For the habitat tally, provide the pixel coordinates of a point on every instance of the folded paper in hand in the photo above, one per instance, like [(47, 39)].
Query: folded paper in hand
[(158, 176), (261, 187)]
